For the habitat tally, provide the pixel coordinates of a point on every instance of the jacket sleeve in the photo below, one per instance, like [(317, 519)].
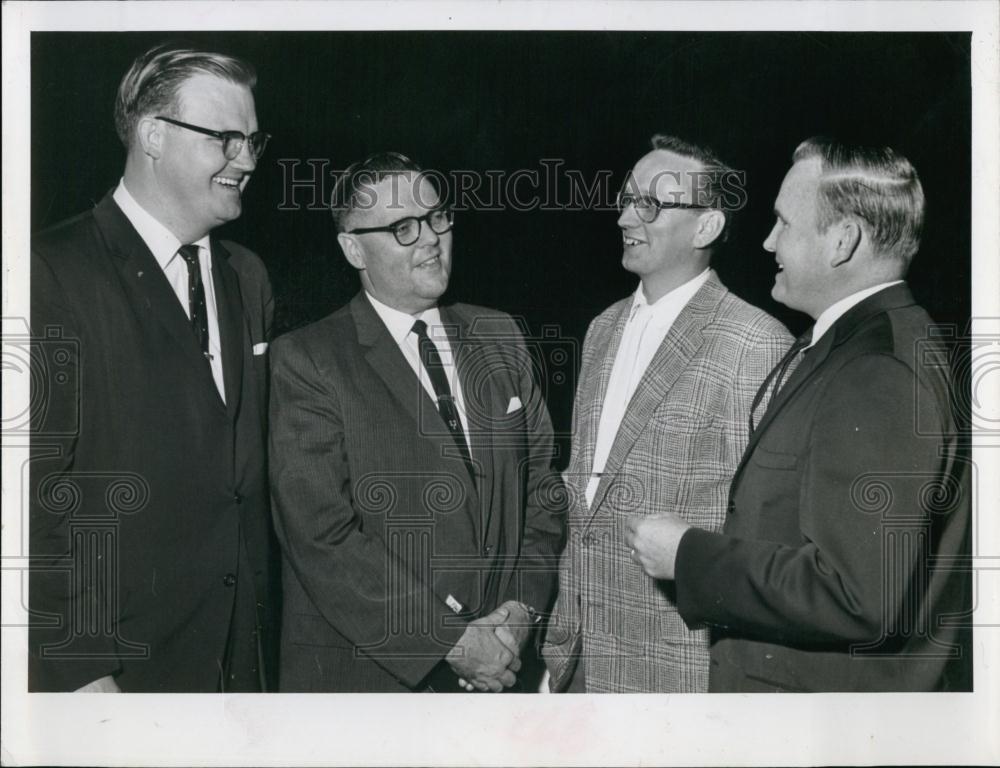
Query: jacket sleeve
[(865, 471), (344, 570), (70, 640)]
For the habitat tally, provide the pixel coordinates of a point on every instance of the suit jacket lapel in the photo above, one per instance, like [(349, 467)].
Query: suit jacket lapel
[(144, 279), (594, 392), (810, 362), (475, 372), (894, 297), (229, 304), (671, 359), (385, 358), (388, 362)]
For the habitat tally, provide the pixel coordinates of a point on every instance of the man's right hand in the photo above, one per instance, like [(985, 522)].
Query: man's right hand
[(481, 659), (104, 684)]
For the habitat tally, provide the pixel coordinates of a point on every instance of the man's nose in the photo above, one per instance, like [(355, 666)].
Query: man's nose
[(769, 243), (628, 217), (427, 235), (244, 161)]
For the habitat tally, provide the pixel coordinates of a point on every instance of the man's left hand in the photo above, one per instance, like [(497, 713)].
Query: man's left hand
[(653, 542), (511, 629)]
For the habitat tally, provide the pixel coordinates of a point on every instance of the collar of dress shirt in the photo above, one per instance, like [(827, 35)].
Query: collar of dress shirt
[(400, 324), (667, 307), (834, 312), (160, 240)]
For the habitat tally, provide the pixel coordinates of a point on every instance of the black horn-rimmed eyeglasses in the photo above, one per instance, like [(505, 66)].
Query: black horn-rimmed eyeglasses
[(232, 141), (407, 230)]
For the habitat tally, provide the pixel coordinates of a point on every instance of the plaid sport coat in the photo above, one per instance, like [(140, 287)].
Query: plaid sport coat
[(677, 448)]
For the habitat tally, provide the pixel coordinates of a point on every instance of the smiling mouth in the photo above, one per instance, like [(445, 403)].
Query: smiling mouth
[(228, 183), (630, 241), (431, 262)]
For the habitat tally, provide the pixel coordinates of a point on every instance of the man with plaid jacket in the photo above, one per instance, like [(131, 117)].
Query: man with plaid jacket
[(840, 566), (660, 422)]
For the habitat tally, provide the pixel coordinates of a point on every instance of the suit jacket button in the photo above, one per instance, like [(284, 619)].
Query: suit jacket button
[(237, 498), (229, 579), (731, 506), (487, 550)]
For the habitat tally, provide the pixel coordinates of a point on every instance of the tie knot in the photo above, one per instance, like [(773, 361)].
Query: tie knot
[(189, 253), (804, 340), (420, 328)]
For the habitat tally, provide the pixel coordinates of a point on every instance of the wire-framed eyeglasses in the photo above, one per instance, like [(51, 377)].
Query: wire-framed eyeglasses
[(407, 230), (648, 208), (232, 141)]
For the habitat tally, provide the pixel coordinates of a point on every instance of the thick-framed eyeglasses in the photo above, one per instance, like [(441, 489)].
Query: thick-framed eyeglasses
[(232, 141), (407, 231), (648, 208)]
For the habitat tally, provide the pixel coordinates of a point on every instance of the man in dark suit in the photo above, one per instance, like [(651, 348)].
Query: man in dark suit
[(418, 515), (839, 566), (149, 506)]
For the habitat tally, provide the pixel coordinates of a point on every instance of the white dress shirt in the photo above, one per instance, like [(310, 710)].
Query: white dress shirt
[(164, 246), (644, 332), (400, 327), (834, 312)]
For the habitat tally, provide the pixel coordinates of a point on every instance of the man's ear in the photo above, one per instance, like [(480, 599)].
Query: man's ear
[(352, 250), (709, 227), (845, 236), (150, 135)]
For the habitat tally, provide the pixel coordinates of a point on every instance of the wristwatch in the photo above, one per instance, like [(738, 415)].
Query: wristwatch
[(534, 617)]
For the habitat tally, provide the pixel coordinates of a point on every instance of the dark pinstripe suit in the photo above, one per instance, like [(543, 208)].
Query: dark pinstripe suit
[(383, 530), (175, 477)]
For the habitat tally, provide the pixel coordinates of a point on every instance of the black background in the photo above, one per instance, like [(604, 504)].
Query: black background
[(504, 101)]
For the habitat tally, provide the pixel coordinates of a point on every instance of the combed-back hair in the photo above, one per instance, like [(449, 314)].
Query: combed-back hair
[(348, 192), (713, 191), (877, 186), (150, 86)]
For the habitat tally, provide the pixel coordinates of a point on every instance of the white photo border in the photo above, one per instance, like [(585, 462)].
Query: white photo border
[(381, 729)]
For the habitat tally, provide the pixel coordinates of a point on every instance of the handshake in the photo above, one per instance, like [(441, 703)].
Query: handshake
[(488, 655)]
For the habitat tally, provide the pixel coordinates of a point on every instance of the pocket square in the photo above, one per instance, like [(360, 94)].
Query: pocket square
[(514, 405), (259, 349)]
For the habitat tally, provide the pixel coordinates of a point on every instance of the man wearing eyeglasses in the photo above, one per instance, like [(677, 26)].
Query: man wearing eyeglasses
[(841, 566), (410, 456), (156, 577), (660, 422)]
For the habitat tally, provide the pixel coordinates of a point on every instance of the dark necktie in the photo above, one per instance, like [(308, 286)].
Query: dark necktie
[(196, 295), (777, 376), (439, 380)]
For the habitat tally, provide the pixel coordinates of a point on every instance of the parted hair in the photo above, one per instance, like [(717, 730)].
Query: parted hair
[(877, 186), (349, 189), (151, 83)]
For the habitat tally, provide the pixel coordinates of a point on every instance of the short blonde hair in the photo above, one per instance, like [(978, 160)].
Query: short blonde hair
[(875, 184), (151, 83)]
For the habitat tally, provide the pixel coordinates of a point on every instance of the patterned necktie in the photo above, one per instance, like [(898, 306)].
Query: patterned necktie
[(196, 295), (439, 380), (777, 376)]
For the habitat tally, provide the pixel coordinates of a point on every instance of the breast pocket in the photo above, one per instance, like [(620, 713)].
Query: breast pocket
[(767, 500), (684, 418)]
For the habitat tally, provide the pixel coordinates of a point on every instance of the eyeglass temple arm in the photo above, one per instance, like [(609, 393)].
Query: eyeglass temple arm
[(195, 128)]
